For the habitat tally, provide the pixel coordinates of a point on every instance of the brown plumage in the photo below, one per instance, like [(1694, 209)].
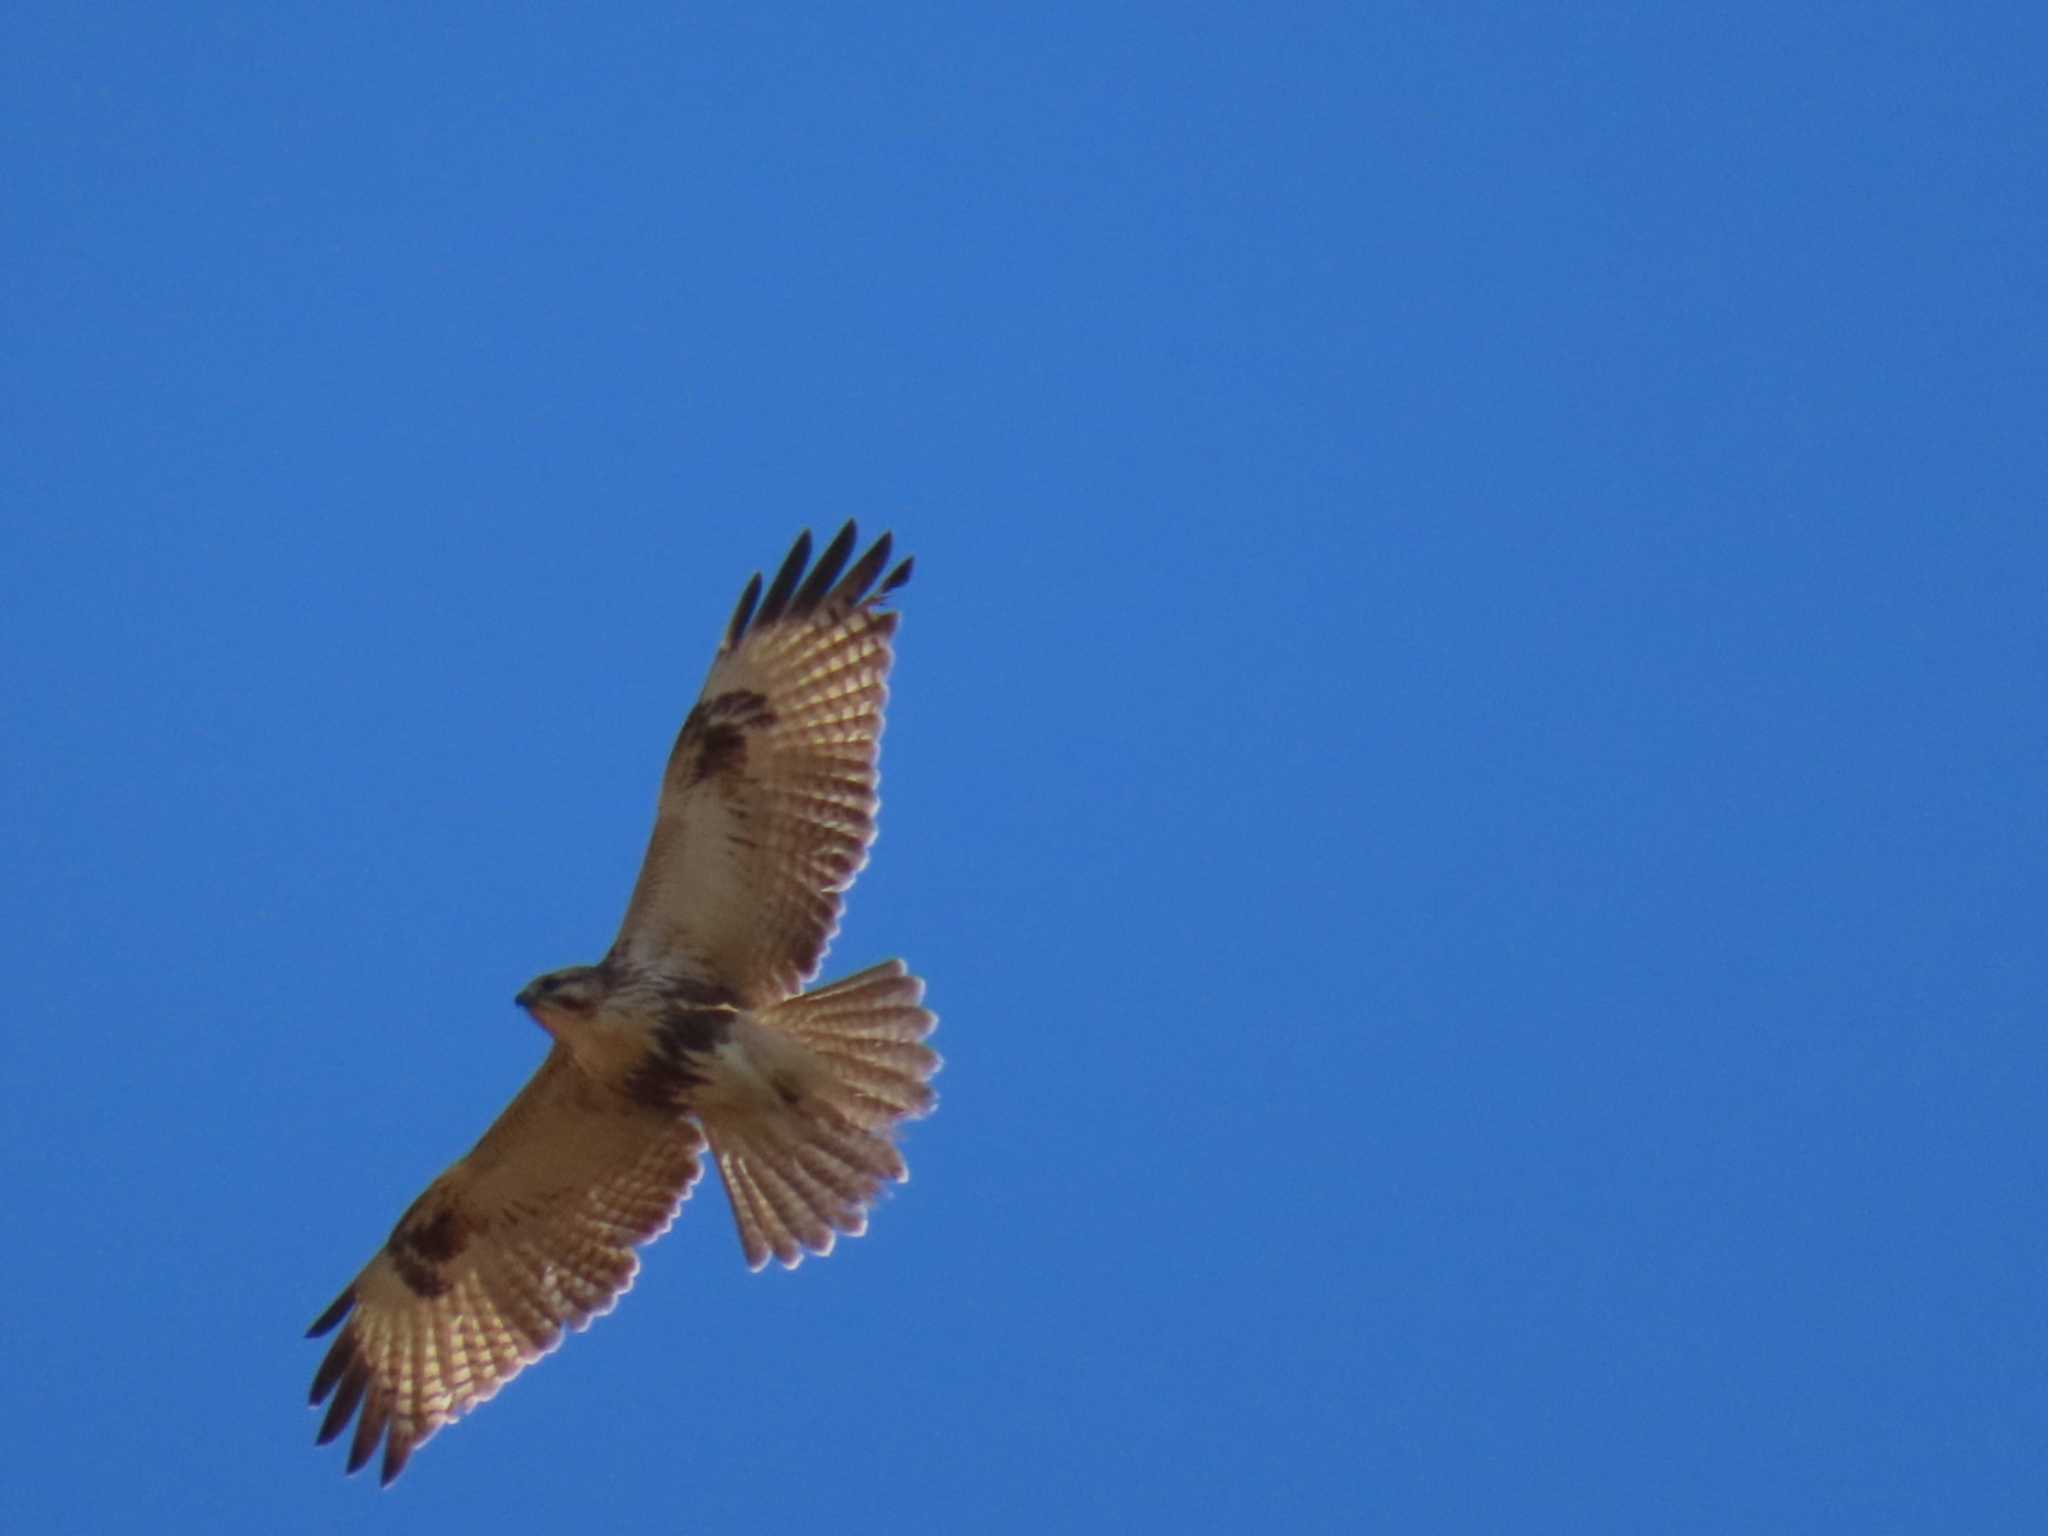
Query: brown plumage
[(693, 1028)]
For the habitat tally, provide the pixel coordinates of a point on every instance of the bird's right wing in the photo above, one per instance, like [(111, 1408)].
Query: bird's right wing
[(533, 1230), (768, 805)]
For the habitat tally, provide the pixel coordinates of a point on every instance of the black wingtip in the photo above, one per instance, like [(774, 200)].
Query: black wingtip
[(369, 1430), (825, 572), (740, 615), (339, 1359), (779, 590), (354, 1382), (327, 1320), (359, 1456), (795, 594), (862, 576)]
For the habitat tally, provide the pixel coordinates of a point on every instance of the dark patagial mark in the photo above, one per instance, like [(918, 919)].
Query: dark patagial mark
[(421, 1245), (723, 750), (739, 706), (423, 1280), (441, 1238), (719, 728)]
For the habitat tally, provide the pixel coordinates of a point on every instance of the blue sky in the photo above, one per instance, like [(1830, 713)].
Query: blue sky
[(1465, 769)]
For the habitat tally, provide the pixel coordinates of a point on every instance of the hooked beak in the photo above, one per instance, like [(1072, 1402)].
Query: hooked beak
[(530, 1001)]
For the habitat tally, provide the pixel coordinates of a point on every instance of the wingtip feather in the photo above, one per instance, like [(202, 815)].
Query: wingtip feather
[(737, 629), (353, 1383), (326, 1321), (776, 603), (796, 592), (818, 585), (857, 581), (369, 1430)]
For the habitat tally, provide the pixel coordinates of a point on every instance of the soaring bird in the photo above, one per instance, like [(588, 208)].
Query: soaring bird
[(695, 1030)]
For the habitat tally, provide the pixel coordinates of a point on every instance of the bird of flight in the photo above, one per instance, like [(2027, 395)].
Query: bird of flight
[(695, 1029)]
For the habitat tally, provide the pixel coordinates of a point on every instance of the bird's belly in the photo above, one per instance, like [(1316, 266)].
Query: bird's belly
[(666, 1064)]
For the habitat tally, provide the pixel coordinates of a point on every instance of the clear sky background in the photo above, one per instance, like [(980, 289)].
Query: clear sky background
[(1466, 768)]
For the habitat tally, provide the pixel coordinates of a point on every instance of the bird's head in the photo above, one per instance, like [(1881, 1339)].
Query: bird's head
[(563, 995)]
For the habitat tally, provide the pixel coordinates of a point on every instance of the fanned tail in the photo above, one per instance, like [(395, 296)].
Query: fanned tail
[(801, 1115)]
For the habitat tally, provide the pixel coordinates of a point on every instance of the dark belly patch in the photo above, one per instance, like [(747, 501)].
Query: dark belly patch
[(674, 1065)]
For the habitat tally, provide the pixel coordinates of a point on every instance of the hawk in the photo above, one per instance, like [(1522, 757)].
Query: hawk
[(694, 1032)]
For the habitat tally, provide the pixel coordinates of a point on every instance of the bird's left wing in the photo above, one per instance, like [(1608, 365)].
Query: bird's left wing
[(533, 1230)]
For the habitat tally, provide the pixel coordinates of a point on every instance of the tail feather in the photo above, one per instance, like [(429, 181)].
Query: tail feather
[(806, 1155)]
